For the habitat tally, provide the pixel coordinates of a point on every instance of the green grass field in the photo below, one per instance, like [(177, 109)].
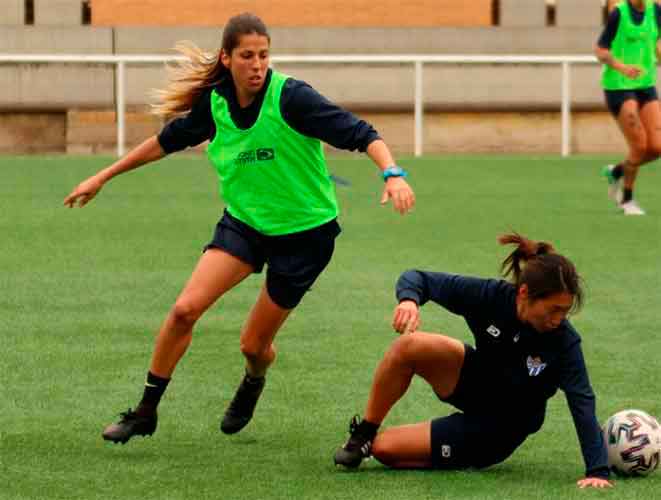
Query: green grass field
[(84, 291)]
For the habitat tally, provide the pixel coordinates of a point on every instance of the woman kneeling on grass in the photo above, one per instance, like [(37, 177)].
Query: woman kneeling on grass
[(265, 131), (525, 350)]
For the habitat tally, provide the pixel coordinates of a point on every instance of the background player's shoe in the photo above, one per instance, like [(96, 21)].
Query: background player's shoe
[(242, 406), (357, 447), (614, 185), (129, 425), (632, 208)]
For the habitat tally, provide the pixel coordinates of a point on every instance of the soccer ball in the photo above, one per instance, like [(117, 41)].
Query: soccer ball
[(633, 439)]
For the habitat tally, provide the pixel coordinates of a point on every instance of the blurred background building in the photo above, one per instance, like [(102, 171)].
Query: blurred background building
[(468, 108)]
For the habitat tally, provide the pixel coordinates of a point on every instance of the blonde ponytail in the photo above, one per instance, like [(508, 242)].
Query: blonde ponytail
[(187, 80)]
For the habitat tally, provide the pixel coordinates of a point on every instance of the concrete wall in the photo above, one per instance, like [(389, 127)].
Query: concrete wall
[(578, 13), (55, 86), (528, 13), (12, 12), (294, 12), (500, 132), (132, 40), (55, 40), (447, 86), (89, 132), (489, 40), (501, 97), (32, 132), (58, 12), (452, 87)]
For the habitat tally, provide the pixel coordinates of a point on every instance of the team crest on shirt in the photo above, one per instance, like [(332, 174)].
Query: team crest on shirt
[(446, 451), (493, 331), (535, 366)]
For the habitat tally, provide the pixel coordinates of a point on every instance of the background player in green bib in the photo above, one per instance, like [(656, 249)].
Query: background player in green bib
[(266, 132), (628, 49)]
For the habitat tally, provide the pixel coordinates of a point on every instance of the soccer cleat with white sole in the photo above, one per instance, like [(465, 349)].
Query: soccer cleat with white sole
[(614, 185), (632, 208)]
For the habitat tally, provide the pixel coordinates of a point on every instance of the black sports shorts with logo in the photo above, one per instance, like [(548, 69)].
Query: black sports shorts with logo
[(294, 261), (615, 98), (473, 438)]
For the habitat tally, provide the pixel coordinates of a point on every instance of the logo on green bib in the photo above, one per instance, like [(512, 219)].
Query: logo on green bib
[(249, 157), (264, 154)]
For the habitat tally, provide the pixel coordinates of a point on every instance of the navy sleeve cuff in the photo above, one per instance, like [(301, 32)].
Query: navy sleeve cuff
[(373, 136), (408, 295)]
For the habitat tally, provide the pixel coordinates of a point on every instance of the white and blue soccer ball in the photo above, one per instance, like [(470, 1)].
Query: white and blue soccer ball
[(633, 439)]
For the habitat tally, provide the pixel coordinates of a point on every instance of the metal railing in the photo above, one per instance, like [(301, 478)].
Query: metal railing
[(418, 61)]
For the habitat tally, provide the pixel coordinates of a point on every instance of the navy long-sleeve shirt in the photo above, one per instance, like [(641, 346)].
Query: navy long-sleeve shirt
[(610, 30), (302, 107), (526, 367)]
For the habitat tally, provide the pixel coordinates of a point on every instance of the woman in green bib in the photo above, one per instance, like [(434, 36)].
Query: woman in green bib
[(266, 132), (628, 50)]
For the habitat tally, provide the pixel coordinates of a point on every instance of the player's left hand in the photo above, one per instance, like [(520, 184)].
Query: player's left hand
[(594, 482), (401, 194), (406, 318)]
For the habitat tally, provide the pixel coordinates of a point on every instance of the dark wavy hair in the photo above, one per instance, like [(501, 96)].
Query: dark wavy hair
[(545, 272)]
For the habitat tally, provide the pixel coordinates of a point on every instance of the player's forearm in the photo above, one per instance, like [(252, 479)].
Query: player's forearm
[(380, 154), (150, 150), (606, 57)]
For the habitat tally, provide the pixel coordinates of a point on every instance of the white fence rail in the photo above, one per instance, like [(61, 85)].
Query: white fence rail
[(418, 61)]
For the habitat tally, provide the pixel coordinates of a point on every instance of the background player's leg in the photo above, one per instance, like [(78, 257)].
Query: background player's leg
[(634, 133)]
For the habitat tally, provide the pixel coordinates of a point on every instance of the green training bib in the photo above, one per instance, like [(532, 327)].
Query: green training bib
[(634, 45), (271, 177)]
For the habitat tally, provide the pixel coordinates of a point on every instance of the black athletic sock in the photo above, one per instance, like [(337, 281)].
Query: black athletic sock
[(627, 195), (154, 388), (252, 380), (369, 429), (618, 171)]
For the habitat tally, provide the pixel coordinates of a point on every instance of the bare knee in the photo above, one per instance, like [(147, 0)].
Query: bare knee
[(185, 312), (255, 351), (402, 350)]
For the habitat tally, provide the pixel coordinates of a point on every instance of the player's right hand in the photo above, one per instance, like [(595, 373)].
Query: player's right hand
[(83, 192), (631, 72), (406, 318)]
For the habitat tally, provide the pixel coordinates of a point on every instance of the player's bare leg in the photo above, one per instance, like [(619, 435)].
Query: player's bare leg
[(216, 273), (257, 346), (436, 358)]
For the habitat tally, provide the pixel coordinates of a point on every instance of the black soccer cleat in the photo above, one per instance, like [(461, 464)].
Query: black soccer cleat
[(357, 448), (242, 406), (129, 425)]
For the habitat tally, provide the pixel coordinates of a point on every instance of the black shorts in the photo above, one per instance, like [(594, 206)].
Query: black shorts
[(615, 98), (481, 434), (294, 260)]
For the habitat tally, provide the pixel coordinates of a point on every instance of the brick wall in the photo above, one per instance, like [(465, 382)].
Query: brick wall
[(354, 13)]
